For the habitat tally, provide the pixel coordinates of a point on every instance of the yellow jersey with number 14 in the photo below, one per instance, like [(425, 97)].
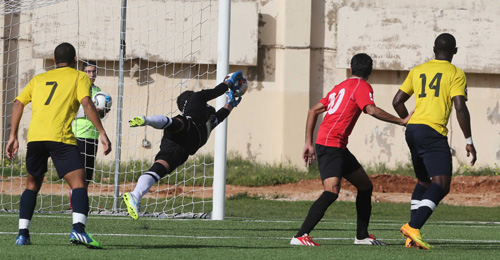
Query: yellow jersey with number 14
[(434, 84), (55, 97)]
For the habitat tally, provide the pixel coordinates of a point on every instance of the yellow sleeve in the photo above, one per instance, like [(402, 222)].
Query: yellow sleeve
[(407, 86), (83, 87), (459, 85), (26, 94)]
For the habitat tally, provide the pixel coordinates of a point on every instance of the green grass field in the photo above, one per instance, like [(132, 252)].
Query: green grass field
[(260, 229)]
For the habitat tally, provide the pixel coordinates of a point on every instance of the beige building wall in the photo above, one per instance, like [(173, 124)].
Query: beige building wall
[(411, 37), (292, 52)]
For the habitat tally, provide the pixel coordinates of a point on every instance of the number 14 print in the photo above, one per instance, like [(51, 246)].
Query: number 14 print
[(435, 84)]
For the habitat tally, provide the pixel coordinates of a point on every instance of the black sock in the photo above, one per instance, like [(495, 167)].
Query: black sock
[(364, 211), (316, 212), (24, 232), (79, 227), (26, 208), (416, 197), (429, 202), (80, 203)]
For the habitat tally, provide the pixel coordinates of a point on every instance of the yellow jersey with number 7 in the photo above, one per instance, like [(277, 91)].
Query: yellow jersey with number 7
[(434, 84), (55, 97)]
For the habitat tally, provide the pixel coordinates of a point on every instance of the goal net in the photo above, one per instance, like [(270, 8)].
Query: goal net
[(170, 47)]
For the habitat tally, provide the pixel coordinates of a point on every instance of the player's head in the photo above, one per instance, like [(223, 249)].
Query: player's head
[(181, 100), (65, 53), (361, 65), (90, 67), (445, 44)]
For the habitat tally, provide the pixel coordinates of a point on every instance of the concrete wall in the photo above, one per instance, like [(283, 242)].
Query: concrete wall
[(340, 29), (292, 52)]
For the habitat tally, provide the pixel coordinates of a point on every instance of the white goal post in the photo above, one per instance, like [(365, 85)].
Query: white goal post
[(147, 53)]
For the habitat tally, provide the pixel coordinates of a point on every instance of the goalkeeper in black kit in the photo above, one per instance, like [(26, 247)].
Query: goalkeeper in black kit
[(183, 134)]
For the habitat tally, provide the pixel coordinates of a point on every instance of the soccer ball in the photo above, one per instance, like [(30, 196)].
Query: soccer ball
[(240, 87), (102, 101)]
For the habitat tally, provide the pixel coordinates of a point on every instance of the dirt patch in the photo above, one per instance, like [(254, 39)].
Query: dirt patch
[(481, 191), (465, 190)]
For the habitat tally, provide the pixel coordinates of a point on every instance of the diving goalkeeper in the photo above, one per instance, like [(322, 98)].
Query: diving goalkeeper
[(183, 134)]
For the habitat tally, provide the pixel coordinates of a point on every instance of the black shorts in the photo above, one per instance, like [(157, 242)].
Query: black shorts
[(65, 157), (430, 152), (173, 153), (88, 151), (335, 162)]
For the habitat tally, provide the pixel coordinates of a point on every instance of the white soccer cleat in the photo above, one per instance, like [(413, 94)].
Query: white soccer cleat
[(132, 205), (370, 240), (304, 240)]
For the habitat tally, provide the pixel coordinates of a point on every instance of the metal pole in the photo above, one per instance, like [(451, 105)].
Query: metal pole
[(120, 106), (219, 185)]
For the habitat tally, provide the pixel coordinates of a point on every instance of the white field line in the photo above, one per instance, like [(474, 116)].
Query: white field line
[(487, 224), (378, 222), (260, 238)]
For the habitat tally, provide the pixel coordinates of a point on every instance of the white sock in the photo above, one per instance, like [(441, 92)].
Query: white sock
[(158, 121), (24, 223), (144, 183), (79, 218)]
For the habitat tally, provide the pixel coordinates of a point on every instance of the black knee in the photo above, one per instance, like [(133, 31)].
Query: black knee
[(365, 193), (159, 169), (328, 198)]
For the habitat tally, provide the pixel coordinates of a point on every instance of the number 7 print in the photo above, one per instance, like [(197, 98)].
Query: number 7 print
[(52, 91)]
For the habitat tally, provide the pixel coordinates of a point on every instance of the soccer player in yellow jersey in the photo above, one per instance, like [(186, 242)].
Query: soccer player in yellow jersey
[(437, 86), (55, 97)]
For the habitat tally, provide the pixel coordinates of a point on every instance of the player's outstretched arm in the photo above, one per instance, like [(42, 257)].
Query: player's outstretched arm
[(13, 143), (224, 112), (92, 115), (227, 85), (463, 118), (380, 114)]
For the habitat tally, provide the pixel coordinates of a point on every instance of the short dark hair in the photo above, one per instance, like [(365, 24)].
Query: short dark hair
[(88, 63), (181, 100), (65, 53), (361, 65), (446, 43)]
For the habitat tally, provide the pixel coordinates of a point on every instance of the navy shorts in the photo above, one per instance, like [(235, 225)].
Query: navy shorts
[(430, 152), (335, 162), (66, 158)]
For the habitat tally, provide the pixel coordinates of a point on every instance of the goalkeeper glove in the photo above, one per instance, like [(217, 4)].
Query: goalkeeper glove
[(232, 100), (232, 78), (137, 121)]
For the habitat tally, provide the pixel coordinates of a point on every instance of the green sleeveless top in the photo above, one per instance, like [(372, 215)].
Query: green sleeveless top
[(82, 127)]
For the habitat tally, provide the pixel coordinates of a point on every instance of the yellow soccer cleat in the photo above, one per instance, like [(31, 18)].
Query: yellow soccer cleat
[(414, 235), (410, 243), (132, 205), (137, 121)]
